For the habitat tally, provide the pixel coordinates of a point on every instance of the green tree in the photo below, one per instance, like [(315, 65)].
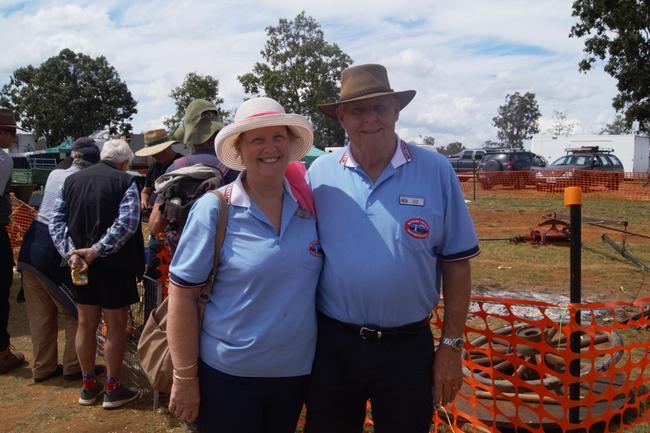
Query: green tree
[(451, 149), (428, 140), (618, 32), (195, 86), (561, 125), (301, 71), (70, 94), (617, 127), (517, 120)]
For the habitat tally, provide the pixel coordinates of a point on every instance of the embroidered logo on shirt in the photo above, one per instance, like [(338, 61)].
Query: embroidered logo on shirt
[(315, 248), (417, 228), (411, 201)]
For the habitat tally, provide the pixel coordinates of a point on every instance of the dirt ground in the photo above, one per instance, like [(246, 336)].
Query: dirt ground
[(51, 406)]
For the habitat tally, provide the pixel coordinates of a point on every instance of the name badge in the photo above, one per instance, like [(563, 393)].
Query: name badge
[(302, 213), (407, 200)]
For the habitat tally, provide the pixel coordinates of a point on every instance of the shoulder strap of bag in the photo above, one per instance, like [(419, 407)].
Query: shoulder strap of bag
[(204, 297)]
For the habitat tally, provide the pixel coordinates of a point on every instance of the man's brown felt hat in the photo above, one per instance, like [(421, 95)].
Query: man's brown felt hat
[(365, 82), (8, 119)]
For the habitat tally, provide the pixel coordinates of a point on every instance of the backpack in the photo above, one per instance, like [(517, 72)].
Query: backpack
[(177, 192)]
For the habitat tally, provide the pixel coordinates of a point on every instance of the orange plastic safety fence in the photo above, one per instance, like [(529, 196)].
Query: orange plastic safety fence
[(516, 367), (631, 186), (22, 216), (163, 254)]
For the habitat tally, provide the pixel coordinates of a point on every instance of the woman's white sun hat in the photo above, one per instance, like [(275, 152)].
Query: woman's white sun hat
[(260, 113)]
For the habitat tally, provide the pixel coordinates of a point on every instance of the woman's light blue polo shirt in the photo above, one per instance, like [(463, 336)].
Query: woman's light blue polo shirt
[(261, 318), (384, 240)]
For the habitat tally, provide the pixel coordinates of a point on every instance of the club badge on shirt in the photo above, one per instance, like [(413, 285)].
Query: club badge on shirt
[(417, 228), (315, 248), (408, 200)]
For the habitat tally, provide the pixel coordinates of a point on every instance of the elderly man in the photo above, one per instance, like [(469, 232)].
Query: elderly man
[(8, 359), (46, 282), (392, 223), (95, 225)]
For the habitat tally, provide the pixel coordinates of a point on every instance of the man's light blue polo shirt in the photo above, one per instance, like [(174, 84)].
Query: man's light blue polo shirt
[(384, 241), (261, 320)]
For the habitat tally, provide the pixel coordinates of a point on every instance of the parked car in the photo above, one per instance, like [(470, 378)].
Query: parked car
[(466, 161), (509, 167), (587, 166)]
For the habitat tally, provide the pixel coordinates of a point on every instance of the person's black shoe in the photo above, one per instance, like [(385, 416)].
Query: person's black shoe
[(88, 397), (99, 369), (57, 372), (119, 397)]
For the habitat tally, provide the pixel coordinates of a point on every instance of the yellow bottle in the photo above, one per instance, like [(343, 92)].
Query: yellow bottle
[(78, 278)]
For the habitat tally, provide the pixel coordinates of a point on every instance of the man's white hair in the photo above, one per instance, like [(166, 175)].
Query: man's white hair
[(117, 151)]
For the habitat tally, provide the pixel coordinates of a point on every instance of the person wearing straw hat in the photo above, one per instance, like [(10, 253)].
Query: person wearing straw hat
[(247, 370), (9, 359), (158, 145), (393, 223)]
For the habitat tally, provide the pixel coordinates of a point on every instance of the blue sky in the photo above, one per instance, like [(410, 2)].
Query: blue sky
[(462, 56)]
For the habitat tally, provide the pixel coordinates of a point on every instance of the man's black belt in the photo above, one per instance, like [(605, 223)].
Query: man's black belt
[(371, 332)]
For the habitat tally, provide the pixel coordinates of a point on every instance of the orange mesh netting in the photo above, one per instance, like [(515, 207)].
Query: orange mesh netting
[(163, 260), (516, 370), (631, 186), (22, 216)]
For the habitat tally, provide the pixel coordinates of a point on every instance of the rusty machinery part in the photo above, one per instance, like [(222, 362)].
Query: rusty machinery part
[(551, 229), (496, 353)]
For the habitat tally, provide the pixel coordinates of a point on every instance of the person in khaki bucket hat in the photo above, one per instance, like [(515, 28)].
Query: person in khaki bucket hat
[(200, 123), (9, 360), (406, 206)]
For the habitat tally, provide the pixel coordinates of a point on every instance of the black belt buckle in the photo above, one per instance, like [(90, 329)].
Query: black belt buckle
[(369, 334)]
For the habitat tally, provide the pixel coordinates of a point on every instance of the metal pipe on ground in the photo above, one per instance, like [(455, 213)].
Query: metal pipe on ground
[(629, 257)]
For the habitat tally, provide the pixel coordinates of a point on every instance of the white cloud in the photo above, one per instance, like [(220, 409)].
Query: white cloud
[(462, 56)]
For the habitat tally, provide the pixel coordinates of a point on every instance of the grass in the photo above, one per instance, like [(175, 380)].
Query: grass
[(516, 266), (51, 407)]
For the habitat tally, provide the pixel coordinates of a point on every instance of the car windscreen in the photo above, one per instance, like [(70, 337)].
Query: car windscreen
[(580, 160)]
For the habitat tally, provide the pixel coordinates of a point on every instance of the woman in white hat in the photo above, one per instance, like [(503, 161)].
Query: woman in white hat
[(246, 371)]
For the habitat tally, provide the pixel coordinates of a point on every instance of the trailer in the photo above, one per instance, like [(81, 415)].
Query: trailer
[(632, 150)]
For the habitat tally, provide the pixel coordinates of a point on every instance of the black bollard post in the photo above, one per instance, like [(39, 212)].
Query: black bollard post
[(573, 200), (474, 182)]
